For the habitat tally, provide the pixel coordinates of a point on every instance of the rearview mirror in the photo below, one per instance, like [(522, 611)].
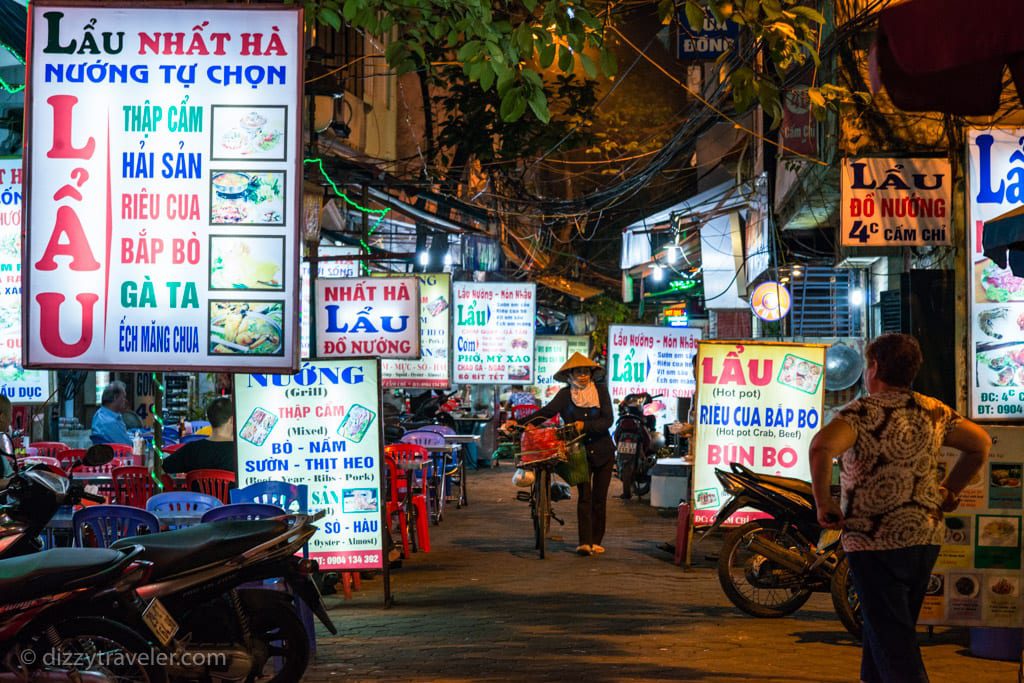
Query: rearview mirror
[(100, 454)]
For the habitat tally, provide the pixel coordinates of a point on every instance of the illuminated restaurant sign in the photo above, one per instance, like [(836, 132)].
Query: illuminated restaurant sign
[(16, 383), (320, 428), (368, 317), (494, 332), (165, 187)]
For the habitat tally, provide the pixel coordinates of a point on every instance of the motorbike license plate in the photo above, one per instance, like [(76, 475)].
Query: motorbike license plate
[(160, 622), (627, 447)]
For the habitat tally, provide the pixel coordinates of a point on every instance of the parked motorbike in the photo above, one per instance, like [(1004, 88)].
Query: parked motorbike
[(196, 577), (435, 409), (50, 627), (770, 567), (636, 444)]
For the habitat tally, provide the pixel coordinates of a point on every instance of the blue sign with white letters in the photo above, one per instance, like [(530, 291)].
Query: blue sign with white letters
[(707, 44)]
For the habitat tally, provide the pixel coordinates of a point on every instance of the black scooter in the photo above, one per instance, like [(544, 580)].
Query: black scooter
[(636, 444), (770, 567)]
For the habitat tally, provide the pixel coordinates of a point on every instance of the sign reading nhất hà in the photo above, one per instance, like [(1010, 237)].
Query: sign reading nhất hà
[(896, 202), (494, 329), (165, 187), (320, 427), (368, 317), (16, 383), (758, 405)]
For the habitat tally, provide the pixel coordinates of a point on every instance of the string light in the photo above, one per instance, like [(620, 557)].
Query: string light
[(12, 89), (158, 390), (379, 212)]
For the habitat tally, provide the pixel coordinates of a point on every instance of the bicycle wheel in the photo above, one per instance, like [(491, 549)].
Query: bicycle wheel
[(543, 519)]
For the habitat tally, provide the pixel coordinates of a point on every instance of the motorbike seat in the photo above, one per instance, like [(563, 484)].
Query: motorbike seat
[(173, 552), (51, 571), (797, 486)]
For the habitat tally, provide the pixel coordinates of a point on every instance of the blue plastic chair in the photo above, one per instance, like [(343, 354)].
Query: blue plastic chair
[(242, 511), (182, 502), (291, 497), (109, 523)]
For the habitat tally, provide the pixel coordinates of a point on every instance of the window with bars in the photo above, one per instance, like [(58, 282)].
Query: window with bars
[(344, 48), (821, 304)]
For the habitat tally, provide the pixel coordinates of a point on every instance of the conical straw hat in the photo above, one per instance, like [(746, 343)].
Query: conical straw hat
[(578, 360)]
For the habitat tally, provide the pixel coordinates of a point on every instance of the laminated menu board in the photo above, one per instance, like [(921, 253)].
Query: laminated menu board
[(977, 580), (551, 353), (432, 369), (320, 427), (758, 404), (164, 176), (16, 383), (493, 332)]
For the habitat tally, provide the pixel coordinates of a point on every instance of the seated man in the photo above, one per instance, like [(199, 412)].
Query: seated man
[(214, 453), (107, 424)]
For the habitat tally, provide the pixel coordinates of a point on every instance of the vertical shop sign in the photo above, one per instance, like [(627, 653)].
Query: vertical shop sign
[(707, 44), (494, 330), (656, 360), (16, 383), (896, 202), (759, 405), (368, 317), (431, 370), (551, 354), (165, 187), (996, 291), (979, 565), (320, 428)]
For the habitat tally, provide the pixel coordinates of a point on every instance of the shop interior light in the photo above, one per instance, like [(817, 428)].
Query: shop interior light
[(447, 260), (672, 255), (657, 273), (857, 297), (424, 259), (784, 279)]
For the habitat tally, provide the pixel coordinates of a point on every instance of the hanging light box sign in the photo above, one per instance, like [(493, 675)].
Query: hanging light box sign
[(368, 317), (771, 301), (164, 208), (494, 332)]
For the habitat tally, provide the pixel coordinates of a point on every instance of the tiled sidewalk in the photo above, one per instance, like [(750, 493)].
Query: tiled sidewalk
[(482, 607)]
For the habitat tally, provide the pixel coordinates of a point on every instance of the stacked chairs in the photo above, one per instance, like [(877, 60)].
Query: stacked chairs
[(178, 502), (104, 524), (133, 486), (404, 478), (214, 483)]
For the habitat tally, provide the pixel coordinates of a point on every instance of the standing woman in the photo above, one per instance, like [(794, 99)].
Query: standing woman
[(586, 405)]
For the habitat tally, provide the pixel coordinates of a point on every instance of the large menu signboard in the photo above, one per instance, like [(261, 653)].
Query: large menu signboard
[(977, 579), (368, 317), (320, 428), (494, 332), (430, 370), (652, 359), (165, 187), (16, 383), (758, 404)]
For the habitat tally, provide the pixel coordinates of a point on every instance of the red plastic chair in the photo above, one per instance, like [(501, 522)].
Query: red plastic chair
[(50, 449), (214, 483), (400, 479), (106, 489), (37, 459), (70, 455), (133, 486)]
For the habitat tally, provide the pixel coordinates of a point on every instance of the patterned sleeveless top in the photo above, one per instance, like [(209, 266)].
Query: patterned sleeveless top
[(890, 478)]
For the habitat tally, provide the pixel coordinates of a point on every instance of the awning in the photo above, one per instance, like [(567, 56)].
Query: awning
[(949, 55), (570, 287)]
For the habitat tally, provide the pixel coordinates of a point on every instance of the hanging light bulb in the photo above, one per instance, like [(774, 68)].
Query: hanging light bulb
[(424, 258), (673, 254), (857, 297), (447, 260), (657, 273)]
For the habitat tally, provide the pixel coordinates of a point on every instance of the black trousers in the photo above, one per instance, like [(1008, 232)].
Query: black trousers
[(891, 586), (592, 501)]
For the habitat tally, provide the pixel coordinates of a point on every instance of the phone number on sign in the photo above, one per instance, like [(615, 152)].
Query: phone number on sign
[(351, 559)]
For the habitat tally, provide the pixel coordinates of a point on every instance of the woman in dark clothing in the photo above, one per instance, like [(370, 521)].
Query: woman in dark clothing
[(586, 405)]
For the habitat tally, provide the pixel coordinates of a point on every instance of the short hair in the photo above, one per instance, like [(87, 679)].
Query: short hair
[(113, 391), (220, 411), (897, 358)]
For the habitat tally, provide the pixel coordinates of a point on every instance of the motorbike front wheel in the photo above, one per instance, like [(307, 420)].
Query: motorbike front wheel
[(754, 583), (846, 601)]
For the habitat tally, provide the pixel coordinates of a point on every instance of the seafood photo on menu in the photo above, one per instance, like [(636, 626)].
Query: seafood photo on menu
[(249, 132), (1001, 367), (246, 327), (247, 197), (998, 531)]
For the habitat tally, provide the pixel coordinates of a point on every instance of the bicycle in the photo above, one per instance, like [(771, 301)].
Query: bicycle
[(542, 457)]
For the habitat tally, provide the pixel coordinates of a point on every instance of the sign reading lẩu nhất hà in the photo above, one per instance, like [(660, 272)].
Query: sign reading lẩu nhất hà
[(321, 428), (165, 183), (368, 317)]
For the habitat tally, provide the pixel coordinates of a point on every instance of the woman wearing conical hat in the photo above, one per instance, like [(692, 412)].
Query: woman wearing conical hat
[(584, 402)]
